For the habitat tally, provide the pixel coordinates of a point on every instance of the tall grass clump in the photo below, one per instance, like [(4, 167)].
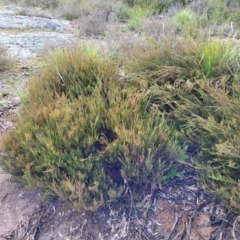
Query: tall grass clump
[(86, 137), (195, 84)]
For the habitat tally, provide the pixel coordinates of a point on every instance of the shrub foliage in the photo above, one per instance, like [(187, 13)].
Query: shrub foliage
[(87, 134), (83, 133), (196, 85)]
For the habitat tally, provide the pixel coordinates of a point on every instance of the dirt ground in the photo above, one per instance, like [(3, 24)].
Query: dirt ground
[(177, 210)]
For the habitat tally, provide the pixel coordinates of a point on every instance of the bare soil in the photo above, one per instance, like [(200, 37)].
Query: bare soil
[(177, 210)]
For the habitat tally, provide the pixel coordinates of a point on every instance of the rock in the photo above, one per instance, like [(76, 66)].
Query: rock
[(26, 45), (10, 21)]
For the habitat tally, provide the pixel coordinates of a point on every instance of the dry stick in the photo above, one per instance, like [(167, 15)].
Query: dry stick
[(130, 213), (221, 234), (219, 231), (62, 80), (174, 225), (221, 219), (146, 233), (199, 233), (233, 228), (188, 229), (207, 224), (148, 206), (131, 206), (179, 233)]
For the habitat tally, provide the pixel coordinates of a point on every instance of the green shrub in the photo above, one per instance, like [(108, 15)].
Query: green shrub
[(82, 133), (184, 17), (186, 23), (195, 84), (137, 15), (216, 12), (97, 14), (69, 10)]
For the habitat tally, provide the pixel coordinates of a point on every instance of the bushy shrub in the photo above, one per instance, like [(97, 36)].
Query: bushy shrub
[(186, 23), (121, 46), (137, 15), (185, 17), (215, 12), (97, 14), (82, 133), (196, 85), (94, 24), (5, 60), (159, 29), (69, 10)]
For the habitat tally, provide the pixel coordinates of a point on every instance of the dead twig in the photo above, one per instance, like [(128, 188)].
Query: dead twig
[(199, 233), (234, 227), (146, 233), (220, 219), (189, 224), (141, 228), (174, 226), (190, 219), (131, 205), (60, 76), (5, 196), (181, 232), (207, 224), (220, 230)]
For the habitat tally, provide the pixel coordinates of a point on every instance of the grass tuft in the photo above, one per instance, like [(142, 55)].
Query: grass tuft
[(195, 84)]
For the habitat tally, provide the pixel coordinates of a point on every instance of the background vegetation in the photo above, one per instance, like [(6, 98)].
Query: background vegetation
[(5, 60), (90, 134)]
